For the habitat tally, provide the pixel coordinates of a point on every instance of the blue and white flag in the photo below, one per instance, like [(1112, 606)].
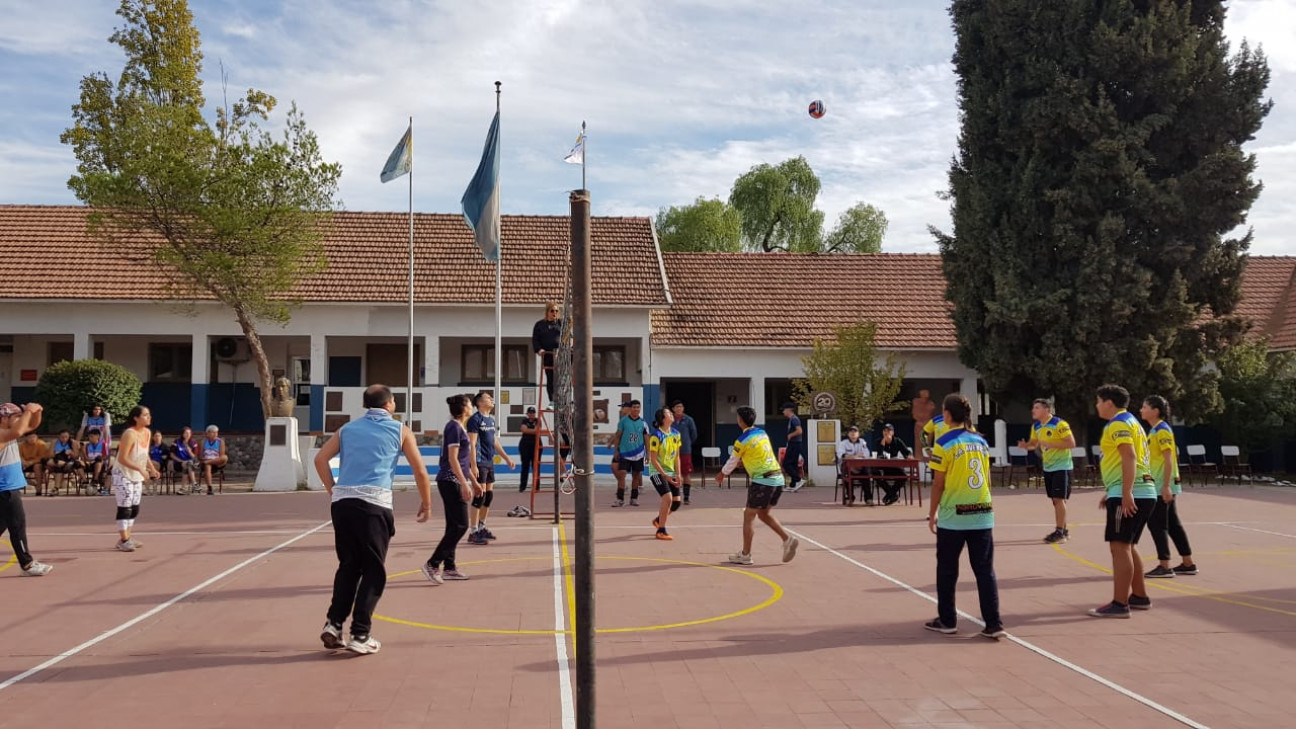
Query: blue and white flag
[(577, 154), (401, 160), (481, 199)]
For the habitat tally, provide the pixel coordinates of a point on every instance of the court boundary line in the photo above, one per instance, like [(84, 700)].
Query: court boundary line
[(69, 653), (1167, 711), (560, 637), (1234, 525)]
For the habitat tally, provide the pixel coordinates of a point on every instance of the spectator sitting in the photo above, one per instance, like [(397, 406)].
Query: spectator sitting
[(95, 461), (854, 449), (184, 458), (891, 446), (96, 419), (211, 454), (159, 454), (33, 451), (63, 459)]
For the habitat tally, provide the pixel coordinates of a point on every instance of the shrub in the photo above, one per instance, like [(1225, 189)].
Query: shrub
[(70, 389)]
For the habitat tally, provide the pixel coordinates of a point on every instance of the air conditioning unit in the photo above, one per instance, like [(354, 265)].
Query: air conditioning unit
[(231, 349)]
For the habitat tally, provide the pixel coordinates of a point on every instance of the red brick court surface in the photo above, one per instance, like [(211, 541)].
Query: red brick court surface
[(215, 622)]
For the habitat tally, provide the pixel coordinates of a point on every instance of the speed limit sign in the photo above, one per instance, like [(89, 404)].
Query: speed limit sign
[(823, 402)]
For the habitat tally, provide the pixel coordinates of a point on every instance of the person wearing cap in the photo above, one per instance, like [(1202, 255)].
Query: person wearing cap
[(527, 446), (795, 449), (628, 452), (853, 449), (14, 422), (892, 446)]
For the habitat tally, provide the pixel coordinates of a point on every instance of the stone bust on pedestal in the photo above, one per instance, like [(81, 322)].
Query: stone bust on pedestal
[(282, 401)]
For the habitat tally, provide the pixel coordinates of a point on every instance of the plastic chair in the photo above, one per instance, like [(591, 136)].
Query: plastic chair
[(1019, 459), (1197, 462), (710, 456), (1231, 463), (1080, 463)]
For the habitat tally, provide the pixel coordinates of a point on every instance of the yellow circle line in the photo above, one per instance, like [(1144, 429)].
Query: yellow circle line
[(776, 595), (1190, 591), (13, 559)]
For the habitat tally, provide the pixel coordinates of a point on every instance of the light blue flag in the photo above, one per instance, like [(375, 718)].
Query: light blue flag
[(481, 199), (401, 160)]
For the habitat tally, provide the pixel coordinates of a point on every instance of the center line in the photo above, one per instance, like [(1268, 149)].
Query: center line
[(560, 639)]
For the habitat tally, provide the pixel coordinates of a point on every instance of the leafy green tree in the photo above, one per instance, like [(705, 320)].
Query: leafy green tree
[(1100, 167), (704, 226), (859, 229), (69, 389), (239, 213), (847, 366), (1258, 388), (777, 207)]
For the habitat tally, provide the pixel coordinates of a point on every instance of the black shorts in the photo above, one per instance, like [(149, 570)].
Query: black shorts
[(1127, 529), (663, 486), (485, 473), (630, 466), (760, 496), (1057, 484)]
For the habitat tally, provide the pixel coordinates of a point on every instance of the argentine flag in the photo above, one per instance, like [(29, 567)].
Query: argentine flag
[(481, 199), (401, 159)]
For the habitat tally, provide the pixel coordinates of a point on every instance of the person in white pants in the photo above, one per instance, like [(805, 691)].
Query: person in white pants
[(132, 469)]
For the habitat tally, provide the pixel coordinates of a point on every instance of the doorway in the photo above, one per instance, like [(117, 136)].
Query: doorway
[(699, 402)]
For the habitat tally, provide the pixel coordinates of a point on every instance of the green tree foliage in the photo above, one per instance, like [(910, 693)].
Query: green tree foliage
[(1100, 167), (847, 366), (69, 389), (705, 226), (777, 207), (1258, 388), (859, 229), (239, 213)]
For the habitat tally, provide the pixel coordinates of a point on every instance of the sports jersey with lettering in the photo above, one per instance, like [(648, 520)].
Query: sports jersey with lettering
[(1054, 459), (1160, 439), (935, 428), (753, 448), (667, 447), (631, 445), (964, 457), (1124, 429)]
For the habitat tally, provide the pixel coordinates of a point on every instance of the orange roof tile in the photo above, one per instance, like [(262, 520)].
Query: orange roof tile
[(747, 300), (1269, 299), (368, 260)]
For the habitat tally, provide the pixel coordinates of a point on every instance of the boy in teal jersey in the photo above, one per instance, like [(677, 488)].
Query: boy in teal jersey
[(1164, 522), (1129, 498), (754, 451), (1052, 437), (961, 514)]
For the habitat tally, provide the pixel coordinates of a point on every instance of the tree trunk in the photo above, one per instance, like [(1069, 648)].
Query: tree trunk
[(259, 356)]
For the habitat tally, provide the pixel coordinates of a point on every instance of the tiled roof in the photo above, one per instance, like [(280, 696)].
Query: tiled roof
[(368, 257), (789, 300), (1269, 299)]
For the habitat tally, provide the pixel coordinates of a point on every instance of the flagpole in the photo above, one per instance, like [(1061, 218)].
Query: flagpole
[(409, 382), (584, 153), (499, 262)]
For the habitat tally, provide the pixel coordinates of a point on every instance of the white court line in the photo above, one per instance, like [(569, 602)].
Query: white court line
[(1025, 644), (153, 611), (560, 640), (1252, 529), (214, 533)]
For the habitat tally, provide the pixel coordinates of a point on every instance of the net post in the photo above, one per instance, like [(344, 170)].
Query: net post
[(583, 455)]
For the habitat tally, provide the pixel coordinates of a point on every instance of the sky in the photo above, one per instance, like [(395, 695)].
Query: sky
[(681, 97)]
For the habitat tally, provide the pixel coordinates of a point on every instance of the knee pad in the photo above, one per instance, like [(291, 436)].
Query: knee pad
[(675, 492), (477, 502), (134, 512), (675, 505), (123, 513), (488, 498)]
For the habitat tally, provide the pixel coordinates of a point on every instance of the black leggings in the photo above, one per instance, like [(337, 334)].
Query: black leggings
[(14, 520), (1164, 522), (456, 524)]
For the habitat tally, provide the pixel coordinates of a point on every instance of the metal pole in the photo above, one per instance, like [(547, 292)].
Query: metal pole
[(583, 456), (409, 374), (499, 320)]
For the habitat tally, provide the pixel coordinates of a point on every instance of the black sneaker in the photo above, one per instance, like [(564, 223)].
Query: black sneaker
[(1161, 572), (1185, 569), (939, 627), (1112, 609), (1140, 602), (994, 632), (1057, 536)]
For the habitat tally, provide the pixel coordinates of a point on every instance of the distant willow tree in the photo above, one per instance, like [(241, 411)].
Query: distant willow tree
[(1099, 173), (240, 214)]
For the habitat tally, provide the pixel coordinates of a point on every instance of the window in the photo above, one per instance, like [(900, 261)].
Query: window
[(478, 363), (62, 352), (170, 362), (609, 363)]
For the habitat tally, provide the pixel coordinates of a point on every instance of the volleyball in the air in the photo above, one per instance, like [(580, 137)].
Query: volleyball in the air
[(816, 109)]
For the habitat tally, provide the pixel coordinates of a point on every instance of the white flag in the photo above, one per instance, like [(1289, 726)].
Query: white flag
[(577, 154)]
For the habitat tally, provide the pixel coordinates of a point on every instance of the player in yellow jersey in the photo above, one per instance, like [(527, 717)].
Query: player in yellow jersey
[(663, 467), (1129, 498), (754, 452), (1052, 437), (934, 429), (1164, 522), (961, 514)]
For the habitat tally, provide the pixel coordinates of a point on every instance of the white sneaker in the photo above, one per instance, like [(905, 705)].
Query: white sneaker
[(125, 546), (366, 646), (740, 558), (331, 635), (136, 544), (37, 569), (432, 574), (797, 486), (453, 575), (790, 548)]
